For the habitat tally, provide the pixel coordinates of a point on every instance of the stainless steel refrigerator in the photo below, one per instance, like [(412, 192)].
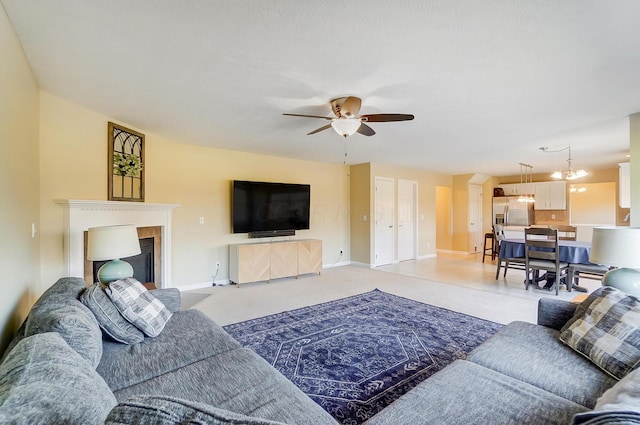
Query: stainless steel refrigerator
[(508, 211)]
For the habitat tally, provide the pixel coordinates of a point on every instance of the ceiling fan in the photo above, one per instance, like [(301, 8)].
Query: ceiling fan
[(347, 121)]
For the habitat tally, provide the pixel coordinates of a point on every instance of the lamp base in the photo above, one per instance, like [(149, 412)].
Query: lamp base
[(626, 280), (114, 270)]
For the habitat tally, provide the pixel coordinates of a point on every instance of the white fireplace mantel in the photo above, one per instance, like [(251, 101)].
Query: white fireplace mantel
[(80, 215)]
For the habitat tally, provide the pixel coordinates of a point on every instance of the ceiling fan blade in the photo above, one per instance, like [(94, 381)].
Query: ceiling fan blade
[(308, 116), (350, 107), (386, 117), (365, 130), (317, 130)]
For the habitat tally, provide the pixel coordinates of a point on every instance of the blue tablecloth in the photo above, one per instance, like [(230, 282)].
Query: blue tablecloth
[(570, 251)]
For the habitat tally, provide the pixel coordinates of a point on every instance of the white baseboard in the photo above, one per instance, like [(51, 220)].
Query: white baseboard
[(332, 265), (448, 251), (194, 286), (422, 257)]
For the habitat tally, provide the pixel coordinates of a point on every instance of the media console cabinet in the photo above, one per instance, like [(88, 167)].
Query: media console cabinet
[(260, 261)]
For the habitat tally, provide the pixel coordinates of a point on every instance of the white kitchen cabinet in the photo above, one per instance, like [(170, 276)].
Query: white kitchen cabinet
[(515, 189), (551, 195)]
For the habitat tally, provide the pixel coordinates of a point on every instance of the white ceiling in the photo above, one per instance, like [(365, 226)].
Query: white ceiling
[(489, 82)]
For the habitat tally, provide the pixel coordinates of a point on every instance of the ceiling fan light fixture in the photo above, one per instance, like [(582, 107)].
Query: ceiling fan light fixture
[(346, 126)]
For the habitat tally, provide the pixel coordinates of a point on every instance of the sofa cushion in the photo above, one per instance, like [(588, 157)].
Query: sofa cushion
[(188, 337), (535, 355), (608, 333), (138, 306), (44, 381), (109, 318), (174, 411), (59, 310), (467, 393), (239, 381)]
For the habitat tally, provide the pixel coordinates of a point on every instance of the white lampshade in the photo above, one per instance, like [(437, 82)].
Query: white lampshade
[(616, 246), (111, 242), (346, 126)]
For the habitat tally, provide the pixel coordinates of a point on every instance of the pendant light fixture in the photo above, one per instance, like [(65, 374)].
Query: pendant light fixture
[(569, 173), (527, 184)]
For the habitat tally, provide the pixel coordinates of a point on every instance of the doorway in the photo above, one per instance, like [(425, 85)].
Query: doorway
[(384, 207), (407, 224)]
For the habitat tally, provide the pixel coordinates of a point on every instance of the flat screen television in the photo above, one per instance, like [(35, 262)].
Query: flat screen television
[(261, 208)]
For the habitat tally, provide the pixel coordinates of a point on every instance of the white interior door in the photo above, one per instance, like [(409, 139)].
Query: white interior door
[(475, 218), (407, 212), (384, 217)]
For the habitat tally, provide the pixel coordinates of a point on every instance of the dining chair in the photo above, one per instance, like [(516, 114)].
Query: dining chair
[(586, 271), (542, 253), (507, 262), (566, 233)]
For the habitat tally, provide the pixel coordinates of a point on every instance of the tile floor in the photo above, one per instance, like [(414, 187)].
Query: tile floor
[(458, 282)]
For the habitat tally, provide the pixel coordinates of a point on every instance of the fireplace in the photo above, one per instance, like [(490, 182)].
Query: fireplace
[(147, 265), (80, 215)]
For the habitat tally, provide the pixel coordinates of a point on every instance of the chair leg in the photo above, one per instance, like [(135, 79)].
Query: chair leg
[(498, 269)]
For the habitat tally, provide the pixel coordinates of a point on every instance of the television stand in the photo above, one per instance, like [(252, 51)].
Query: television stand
[(263, 261)]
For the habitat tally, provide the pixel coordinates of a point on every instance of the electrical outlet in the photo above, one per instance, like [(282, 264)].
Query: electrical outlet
[(201, 220), (217, 264)]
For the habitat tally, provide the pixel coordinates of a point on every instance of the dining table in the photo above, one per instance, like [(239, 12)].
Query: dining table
[(576, 252), (569, 251)]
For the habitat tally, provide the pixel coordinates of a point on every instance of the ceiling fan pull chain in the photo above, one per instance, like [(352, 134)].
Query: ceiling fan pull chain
[(344, 162)]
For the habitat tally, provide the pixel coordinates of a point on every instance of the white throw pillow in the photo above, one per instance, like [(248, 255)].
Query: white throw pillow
[(624, 395), (138, 306)]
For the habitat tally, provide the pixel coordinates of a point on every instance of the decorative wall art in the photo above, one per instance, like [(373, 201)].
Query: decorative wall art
[(125, 172)]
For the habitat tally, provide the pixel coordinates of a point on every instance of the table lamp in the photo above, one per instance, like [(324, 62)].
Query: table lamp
[(113, 243), (618, 247)]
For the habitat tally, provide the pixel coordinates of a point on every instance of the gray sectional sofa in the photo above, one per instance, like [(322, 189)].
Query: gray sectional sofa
[(60, 369)]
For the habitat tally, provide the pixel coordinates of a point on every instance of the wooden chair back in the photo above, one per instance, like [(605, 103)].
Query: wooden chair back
[(566, 233), (541, 244)]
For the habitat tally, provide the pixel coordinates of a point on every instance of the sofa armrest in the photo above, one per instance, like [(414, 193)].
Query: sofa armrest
[(170, 297), (554, 313)]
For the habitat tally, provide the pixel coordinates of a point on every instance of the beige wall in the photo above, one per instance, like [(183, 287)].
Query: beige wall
[(444, 217), (74, 158), (595, 206), (360, 207), (19, 179), (460, 201)]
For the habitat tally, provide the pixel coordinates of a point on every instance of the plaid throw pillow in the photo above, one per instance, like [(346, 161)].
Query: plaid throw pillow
[(138, 306), (608, 333)]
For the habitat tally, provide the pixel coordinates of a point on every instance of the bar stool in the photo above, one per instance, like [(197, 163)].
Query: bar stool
[(492, 253)]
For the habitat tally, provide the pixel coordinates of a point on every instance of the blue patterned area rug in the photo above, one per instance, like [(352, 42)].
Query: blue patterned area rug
[(356, 355)]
